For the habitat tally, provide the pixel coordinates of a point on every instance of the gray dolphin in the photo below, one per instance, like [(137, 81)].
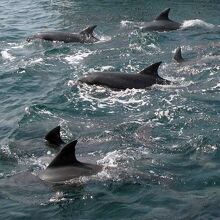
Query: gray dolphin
[(85, 36), (117, 80), (65, 166), (161, 23), (53, 137), (178, 55), (179, 58)]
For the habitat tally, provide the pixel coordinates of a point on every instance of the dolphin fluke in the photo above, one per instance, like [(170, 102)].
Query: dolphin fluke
[(66, 157), (53, 136), (164, 15), (151, 70), (178, 55)]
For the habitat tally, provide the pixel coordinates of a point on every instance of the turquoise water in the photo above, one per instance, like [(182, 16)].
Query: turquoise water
[(159, 148)]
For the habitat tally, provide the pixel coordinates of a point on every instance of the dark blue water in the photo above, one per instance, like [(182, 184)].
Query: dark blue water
[(159, 148)]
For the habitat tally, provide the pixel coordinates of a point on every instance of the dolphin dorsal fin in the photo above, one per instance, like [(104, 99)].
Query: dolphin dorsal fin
[(178, 55), (151, 70), (53, 136), (66, 157), (164, 15), (89, 30)]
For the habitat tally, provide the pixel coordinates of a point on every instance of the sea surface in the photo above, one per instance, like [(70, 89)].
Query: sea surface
[(159, 147)]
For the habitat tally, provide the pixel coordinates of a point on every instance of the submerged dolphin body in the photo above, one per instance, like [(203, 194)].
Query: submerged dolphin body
[(85, 36), (117, 80), (161, 23), (65, 166)]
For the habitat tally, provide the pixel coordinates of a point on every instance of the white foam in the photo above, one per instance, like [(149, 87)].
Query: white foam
[(78, 57), (197, 23), (59, 196), (6, 150), (6, 55), (39, 60), (17, 46), (110, 159), (125, 23), (103, 39), (126, 97), (45, 112), (105, 68), (71, 83)]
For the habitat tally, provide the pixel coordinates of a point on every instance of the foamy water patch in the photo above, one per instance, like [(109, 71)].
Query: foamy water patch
[(103, 97), (57, 197), (175, 84), (6, 55), (78, 57), (216, 87), (103, 39), (17, 46), (127, 24), (6, 150), (35, 61), (197, 23), (106, 68)]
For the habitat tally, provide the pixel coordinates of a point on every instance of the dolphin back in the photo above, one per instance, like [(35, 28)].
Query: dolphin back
[(65, 166), (88, 32), (161, 23), (66, 157)]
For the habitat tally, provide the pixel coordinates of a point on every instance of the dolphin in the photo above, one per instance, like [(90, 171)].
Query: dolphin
[(65, 166), (179, 58), (117, 80), (85, 36), (178, 55), (53, 137), (161, 23)]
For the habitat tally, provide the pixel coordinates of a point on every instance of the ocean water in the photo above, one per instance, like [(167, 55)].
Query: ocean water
[(159, 147)]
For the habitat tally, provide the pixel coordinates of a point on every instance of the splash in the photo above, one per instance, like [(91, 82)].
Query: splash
[(103, 39), (78, 57), (38, 60), (6, 55), (197, 23), (129, 24), (107, 68), (126, 23)]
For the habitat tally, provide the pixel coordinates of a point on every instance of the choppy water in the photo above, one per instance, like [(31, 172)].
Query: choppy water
[(159, 147)]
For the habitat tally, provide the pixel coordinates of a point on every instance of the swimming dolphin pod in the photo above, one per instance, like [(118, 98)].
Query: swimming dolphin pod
[(85, 36), (117, 80), (161, 23), (65, 166)]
